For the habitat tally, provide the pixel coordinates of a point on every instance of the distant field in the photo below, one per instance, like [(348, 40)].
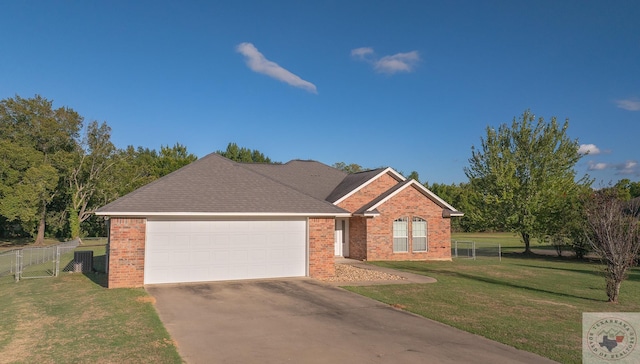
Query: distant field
[(509, 242)]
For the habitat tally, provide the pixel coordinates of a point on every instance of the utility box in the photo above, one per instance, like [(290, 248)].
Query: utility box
[(83, 261)]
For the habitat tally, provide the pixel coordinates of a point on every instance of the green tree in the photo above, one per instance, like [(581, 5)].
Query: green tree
[(414, 175), (523, 177), (349, 168), (244, 155), (459, 196), (47, 136), (172, 158), (91, 175)]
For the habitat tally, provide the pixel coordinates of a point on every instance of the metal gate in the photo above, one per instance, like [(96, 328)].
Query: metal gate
[(37, 262)]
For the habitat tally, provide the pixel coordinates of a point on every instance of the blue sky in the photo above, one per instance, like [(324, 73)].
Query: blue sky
[(407, 84)]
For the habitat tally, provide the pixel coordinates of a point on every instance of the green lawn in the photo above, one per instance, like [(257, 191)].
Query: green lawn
[(73, 318), (533, 304)]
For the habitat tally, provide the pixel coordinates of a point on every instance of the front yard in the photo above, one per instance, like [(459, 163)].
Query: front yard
[(533, 304), (74, 319)]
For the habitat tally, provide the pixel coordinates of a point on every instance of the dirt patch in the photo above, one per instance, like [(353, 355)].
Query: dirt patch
[(146, 299), (553, 303), (27, 332)]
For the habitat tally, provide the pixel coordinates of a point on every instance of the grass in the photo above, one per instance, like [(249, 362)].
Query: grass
[(533, 304), (10, 244), (73, 318)]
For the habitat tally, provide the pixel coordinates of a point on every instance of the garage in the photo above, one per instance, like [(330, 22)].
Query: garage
[(215, 250)]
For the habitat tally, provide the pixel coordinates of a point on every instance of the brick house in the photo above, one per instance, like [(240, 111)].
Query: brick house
[(217, 219)]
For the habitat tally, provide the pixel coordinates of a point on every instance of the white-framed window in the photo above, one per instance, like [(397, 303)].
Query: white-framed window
[(401, 235), (419, 234)]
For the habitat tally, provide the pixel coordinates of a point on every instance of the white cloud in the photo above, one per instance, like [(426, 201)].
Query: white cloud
[(362, 52), (632, 104), (629, 167), (590, 149), (593, 166), (258, 63), (399, 62)]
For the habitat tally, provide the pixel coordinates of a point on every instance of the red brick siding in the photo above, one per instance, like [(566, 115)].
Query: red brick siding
[(321, 247), (409, 203), (358, 238), (126, 252), (368, 193)]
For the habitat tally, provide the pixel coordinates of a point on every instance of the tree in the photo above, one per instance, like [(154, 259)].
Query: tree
[(172, 159), (627, 189), (243, 155), (459, 196), (47, 138), (414, 175), (614, 235), (349, 168), (523, 177), (90, 175)]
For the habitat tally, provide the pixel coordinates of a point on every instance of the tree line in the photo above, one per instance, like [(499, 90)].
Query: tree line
[(55, 171), (522, 179)]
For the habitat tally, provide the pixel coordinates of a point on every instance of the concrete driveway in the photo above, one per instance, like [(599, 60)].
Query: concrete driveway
[(301, 320)]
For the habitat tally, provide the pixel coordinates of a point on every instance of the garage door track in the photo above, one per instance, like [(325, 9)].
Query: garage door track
[(301, 320)]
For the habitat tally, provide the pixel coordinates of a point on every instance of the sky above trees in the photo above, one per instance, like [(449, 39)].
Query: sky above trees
[(407, 84)]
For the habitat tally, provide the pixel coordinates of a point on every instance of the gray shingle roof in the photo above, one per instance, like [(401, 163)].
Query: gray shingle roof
[(310, 177), (351, 182), (216, 185)]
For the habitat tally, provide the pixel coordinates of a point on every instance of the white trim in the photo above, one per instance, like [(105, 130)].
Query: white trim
[(224, 214), (424, 191), (387, 170), (306, 247)]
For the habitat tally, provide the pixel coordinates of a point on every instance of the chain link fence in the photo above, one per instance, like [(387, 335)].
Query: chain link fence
[(474, 250), (50, 261)]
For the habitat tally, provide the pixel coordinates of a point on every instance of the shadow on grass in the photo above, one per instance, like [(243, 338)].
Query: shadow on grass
[(633, 272), (99, 275), (430, 270), (514, 285)]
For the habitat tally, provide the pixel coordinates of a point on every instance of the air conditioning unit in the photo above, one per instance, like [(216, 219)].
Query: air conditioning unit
[(83, 261)]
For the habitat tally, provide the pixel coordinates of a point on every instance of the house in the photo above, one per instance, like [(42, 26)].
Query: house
[(216, 219)]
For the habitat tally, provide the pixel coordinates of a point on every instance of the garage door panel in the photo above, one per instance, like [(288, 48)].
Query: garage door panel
[(193, 251)]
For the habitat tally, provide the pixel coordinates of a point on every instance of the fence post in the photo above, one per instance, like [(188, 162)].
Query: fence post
[(18, 264), (474, 250), (57, 270), (456, 247), (500, 252)]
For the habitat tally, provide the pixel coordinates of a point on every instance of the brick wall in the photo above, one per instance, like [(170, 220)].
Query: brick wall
[(368, 193), (321, 247), (408, 203), (126, 252), (358, 238)]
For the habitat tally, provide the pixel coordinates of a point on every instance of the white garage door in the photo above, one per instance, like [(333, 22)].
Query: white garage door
[(196, 251)]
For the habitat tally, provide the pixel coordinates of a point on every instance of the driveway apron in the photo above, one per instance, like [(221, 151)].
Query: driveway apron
[(301, 320)]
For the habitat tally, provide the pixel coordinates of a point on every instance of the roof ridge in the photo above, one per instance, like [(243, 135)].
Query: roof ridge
[(290, 185), (145, 187)]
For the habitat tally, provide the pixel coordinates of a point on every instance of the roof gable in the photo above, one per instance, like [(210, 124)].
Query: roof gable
[(214, 185), (357, 181), (370, 209)]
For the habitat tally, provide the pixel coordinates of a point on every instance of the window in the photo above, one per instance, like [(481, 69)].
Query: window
[(401, 235), (419, 234)]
